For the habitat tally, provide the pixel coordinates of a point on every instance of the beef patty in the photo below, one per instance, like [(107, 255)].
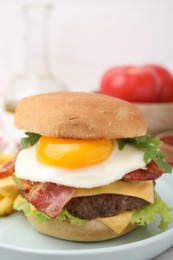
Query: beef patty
[(103, 205), (90, 207)]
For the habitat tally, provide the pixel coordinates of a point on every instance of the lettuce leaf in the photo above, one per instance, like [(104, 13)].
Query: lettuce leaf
[(150, 146), (147, 214), (29, 141), (142, 216), (23, 204)]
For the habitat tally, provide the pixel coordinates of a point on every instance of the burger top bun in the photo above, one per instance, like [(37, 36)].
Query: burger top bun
[(90, 231), (79, 115)]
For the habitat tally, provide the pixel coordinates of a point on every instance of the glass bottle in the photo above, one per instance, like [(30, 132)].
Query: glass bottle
[(37, 77)]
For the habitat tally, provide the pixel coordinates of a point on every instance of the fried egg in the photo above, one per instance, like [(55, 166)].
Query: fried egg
[(77, 163)]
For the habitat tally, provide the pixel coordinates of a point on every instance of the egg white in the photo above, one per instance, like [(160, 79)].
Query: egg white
[(112, 169)]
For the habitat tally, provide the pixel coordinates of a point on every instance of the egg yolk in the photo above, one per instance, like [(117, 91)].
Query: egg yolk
[(72, 153)]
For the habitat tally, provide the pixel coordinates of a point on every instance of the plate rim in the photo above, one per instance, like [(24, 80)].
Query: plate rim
[(113, 249), (168, 233)]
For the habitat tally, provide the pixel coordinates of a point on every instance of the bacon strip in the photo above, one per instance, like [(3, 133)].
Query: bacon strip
[(7, 169), (50, 197), (152, 172)]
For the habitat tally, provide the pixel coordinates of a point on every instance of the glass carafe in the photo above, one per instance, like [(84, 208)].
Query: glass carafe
[(37, 77)]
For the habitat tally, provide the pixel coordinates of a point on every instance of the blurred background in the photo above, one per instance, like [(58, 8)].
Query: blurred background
[(54, 45), (87, 37), (49, 45)]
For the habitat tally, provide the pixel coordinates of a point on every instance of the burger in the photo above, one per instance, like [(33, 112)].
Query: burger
[(86, 169)]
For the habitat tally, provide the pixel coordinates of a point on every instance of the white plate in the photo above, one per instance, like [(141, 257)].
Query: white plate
[(19, 241)]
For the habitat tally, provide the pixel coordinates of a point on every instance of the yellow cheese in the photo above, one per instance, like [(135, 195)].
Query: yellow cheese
[(140, 189), (118, 223), (20, 199)]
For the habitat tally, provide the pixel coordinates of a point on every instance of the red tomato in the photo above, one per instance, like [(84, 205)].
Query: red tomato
[(166, 93), (131, 83)]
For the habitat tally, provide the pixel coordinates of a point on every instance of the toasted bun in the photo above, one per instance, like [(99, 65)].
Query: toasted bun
[(79, 115), (91, 231)]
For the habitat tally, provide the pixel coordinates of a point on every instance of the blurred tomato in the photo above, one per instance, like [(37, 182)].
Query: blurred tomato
[(131, 83), (166, 92)]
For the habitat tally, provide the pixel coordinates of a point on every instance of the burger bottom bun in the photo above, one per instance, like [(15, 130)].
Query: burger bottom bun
[(90, 231)]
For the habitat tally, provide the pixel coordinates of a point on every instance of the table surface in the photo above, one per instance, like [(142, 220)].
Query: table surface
[(167, 255)]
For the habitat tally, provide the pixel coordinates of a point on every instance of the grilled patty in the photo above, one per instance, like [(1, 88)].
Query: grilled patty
[(90, 207), (103, 205)]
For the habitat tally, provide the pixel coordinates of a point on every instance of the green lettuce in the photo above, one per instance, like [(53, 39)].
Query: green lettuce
[(147, 214), (150, 146), (142, 216), (40, 217), (29, 141)]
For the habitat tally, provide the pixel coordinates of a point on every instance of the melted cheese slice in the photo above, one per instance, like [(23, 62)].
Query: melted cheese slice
[(118, 223), (140, 189)]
